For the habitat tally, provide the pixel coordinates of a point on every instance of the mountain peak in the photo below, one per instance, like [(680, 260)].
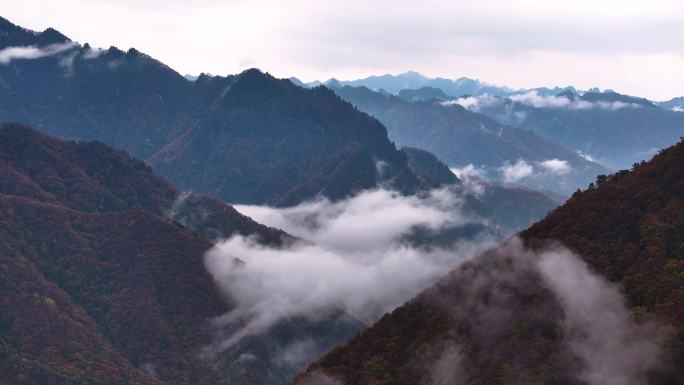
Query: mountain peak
[(333, 83), (14, 35), (51, 35), (254, 74), (412, 74), (6, 25)]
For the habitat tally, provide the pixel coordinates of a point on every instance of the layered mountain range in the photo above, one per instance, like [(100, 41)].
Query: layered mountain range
[(411, 80), (124, 271), (247, 138), (606, 127)]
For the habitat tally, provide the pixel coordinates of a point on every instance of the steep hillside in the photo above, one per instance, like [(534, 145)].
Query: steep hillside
[(427, 166), (248, 138), (460, 137), (122, 285), (516, 316), (261, 140), (90, 177)]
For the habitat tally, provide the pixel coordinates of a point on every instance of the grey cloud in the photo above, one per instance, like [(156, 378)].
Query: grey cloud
[(93, 53), (318, 378), (614, 350), (354, 258), (597, 328), (513, 172), (445, 364), (33, 52), (297, 354), (556, 166), (534, 99)]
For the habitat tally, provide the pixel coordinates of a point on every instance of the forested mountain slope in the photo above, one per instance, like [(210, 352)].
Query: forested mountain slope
[(538, 316)]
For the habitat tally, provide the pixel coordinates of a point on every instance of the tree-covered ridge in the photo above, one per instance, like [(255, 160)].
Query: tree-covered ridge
[(490, 321), (271, 141), (629, 228), (91, 177)]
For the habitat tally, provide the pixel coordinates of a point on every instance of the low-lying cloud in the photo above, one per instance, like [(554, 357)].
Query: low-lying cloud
[(598, 343), (534, 99), (522, 169), (93, 53), (472, 178), (355, 256), (586, 156), (469, 171), (475, 103), (556, 166), (513, 172), (33, 52)]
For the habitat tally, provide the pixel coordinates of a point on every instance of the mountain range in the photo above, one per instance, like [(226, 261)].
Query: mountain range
[(124, 262), (411, 80), (613, 129), (248, 138)]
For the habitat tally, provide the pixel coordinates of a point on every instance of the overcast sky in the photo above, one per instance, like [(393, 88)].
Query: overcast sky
[(635, 47)]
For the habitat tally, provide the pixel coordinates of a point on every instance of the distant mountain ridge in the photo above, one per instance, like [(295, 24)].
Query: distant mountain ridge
[(609, 127), (414, 80), (674, 104), (614, 129), (460, 138), (411, 80)]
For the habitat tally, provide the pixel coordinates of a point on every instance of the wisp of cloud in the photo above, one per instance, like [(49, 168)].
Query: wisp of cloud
[(33, 52)]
